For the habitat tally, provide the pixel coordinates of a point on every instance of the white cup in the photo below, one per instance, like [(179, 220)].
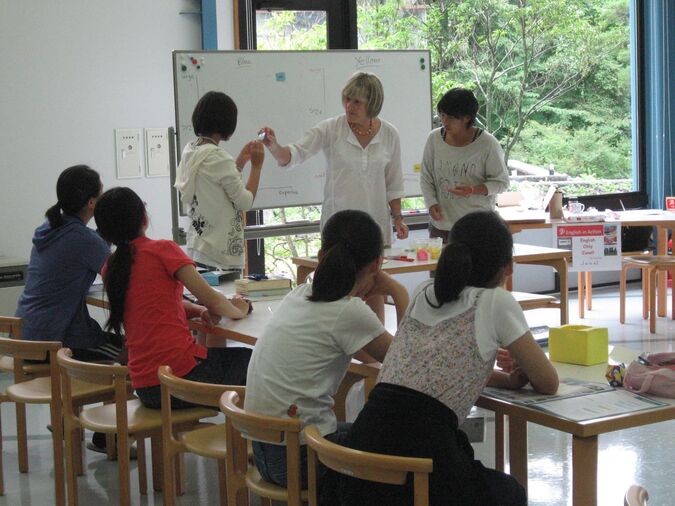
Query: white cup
[(575, 207)]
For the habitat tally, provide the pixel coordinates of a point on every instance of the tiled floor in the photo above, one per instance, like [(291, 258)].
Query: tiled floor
[(643, 455)]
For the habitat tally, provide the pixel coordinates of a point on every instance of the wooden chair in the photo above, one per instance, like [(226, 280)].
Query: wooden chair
[(206, 441), (376, 467), (241, 475), (47, 390), (125, 417), (11, 327), (585, 285), (650, 266), (636, 496)]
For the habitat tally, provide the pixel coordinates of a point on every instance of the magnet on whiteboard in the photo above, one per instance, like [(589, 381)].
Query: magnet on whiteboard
[(280, 76), (417, 167)]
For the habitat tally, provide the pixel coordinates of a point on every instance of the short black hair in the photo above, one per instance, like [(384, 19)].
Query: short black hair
[(215, 113), (458, 102)]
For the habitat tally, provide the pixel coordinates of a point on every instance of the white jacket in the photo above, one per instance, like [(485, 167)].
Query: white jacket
[(213, 192)]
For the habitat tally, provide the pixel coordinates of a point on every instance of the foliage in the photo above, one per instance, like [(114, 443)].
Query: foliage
[(552, 78)]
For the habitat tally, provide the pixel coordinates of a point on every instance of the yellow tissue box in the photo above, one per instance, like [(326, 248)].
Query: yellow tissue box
[(578, 344)]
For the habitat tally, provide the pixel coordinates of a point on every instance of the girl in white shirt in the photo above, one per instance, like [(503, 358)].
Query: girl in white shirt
[(440, 360), (211, 185), (303, 354)]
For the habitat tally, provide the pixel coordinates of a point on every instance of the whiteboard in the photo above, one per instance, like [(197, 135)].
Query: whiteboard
[(291, 91)]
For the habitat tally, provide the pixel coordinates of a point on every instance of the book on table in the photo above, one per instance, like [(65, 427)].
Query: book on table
[(249, 286)]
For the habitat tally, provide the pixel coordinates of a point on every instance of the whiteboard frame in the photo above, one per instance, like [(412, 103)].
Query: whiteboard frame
[(175, 55)]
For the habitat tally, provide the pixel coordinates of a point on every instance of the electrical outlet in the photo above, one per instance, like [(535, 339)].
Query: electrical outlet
[(157, 152), (128, 153)]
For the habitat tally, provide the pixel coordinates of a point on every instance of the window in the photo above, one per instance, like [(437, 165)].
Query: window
[(553, 80), (558, 82)]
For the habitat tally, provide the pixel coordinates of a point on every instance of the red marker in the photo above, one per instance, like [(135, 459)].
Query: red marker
[(402, 258)]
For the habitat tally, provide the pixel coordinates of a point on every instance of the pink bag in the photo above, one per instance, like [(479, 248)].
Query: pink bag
[(653, 374)]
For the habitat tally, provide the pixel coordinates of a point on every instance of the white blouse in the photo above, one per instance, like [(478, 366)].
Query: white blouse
[(365, 179)]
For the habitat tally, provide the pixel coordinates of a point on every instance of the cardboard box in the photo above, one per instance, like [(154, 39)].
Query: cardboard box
[(578, 344)]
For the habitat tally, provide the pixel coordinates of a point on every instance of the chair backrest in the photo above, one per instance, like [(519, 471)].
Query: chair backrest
[(99, 374), (10, 326), (636, 496), (205, 394), (241, 424), (376, 467), (21, 350)]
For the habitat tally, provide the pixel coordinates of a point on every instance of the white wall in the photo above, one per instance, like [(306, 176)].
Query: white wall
[(72, 71)]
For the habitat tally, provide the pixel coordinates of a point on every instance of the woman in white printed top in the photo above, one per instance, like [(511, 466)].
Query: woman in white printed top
[(440, 360)]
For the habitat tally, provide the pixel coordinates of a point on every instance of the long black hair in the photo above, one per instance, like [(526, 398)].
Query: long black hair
[(459, 102), (350, 240), (119, 215), (75, 186), (479, 249)]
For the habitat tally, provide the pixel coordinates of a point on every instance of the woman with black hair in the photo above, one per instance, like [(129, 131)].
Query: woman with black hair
[(211, 185), (463, 166), (303, 354), (144, 281), (64, 261), (440, 360)]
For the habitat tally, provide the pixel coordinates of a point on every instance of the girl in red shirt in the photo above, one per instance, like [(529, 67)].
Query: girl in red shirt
[(144, 281)]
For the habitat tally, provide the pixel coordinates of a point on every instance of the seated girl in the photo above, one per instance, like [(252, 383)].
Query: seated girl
[(440, 360), (144, 281), (303, 354)]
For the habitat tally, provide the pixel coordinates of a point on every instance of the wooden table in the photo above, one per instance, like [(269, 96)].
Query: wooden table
[(522, 254), (664, 221), (584, 433), (250, 328)]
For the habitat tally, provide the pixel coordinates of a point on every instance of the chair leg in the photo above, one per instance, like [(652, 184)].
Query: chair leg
[(589, 290), (222, 482), (580, 292), (57, 444), (21, 436), (652, 301), (123, 468), (645, 293), (179, 467), (142, 469), (73, 445), (2, 471), (622, 294), (168, 476), (77, 452), (157, 471)]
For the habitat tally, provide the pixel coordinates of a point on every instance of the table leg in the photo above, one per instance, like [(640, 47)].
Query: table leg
[(499, 441), (580, 291), (518, 449), (561, 267), (585, 471), (662, 249)]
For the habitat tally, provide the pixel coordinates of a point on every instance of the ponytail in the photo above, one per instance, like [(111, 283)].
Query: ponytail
[(350, 240), (54, 216), (453, 273), (117, 284), (119, 215), (75, 186), (479, 249)]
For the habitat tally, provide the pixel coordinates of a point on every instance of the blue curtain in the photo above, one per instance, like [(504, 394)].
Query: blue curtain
[(659, 17), (209, 25)]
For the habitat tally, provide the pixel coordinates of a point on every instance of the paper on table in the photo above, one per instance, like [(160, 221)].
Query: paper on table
[(599, 405), (569, 387)]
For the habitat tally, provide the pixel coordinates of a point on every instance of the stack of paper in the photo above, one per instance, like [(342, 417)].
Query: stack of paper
[(273, 286)]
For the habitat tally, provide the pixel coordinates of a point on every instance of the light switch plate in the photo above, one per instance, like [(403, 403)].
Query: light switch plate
[(128, 153), (157, 152)]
